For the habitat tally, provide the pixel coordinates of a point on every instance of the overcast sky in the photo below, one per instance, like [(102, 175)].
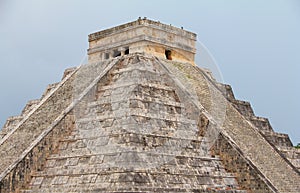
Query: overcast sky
[(256, 45)]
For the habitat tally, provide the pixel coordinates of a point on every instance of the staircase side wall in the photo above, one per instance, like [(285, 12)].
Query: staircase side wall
[(247, 175), (20, 175), (17, 160)]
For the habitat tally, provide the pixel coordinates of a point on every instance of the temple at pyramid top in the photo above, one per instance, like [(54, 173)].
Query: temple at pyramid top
[(143, 36)]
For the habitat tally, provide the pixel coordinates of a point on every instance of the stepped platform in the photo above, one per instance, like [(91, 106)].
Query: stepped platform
[(142, 117)]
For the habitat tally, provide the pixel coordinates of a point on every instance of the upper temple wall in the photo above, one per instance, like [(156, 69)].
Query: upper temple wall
[(144, 36)]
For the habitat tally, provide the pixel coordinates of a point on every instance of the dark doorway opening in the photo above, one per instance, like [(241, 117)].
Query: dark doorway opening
[(117, 53), (168, 54), (126, 51)]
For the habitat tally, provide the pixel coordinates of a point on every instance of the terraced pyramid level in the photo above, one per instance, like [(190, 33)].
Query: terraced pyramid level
[(137, 122)]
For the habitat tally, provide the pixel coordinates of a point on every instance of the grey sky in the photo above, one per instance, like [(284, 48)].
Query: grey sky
[(255, 43)]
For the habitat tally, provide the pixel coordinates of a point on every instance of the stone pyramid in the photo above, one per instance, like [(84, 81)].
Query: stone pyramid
[(140, 116)]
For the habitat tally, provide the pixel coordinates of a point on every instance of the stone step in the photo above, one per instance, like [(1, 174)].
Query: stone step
[(145, 99), (13, 121), (133, 135), (75, 168), (136, 69), (79, 185), (292, 154), (149, 144), (49, 88), (69, 71), (278, 139), (134, 116), (10, 123), (145, 189), (226, 90), (197, 157), (136, 74), (261, 123), (243, 107), (143, 84), (105, 107), (29, 106)]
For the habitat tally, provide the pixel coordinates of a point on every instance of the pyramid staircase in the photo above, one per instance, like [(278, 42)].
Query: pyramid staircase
[(121, 144), (127, 127), (242, 131)]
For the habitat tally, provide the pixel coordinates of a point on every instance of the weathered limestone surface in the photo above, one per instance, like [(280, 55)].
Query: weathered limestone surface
[(26, 146), (131, 121), (20, 138), (292, 154), (11, 122), (262, 124), (114, 139), (122, 144), (142, 36), (262, 154)]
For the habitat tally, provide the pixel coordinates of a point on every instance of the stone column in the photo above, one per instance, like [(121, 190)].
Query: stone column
[(111, 54), (122, 50)]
